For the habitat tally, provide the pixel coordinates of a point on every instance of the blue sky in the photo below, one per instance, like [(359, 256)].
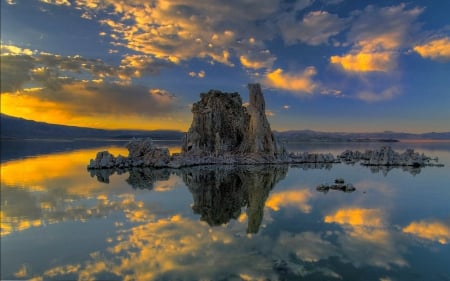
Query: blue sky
[(328, 65)]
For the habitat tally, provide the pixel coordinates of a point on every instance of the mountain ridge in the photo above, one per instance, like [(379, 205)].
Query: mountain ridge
[(15, 127), (20, 128)]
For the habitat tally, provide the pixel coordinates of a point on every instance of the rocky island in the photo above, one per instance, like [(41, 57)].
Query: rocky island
[(225, 131)]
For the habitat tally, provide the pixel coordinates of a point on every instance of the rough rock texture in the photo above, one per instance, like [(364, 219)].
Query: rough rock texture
[(221, 125), (386, 156), (145, 153), (103, 160), (259, 137), (141, 153), (218, 124)]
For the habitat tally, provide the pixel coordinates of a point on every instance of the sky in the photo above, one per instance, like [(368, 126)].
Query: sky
[(325, 65)]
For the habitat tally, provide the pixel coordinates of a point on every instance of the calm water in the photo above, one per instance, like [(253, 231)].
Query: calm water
[(59, 222)]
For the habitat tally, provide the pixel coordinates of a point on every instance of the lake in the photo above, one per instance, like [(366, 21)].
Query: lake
[(61, 222)]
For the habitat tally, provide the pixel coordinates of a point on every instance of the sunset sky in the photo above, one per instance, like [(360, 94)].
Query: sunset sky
[(327, 65)]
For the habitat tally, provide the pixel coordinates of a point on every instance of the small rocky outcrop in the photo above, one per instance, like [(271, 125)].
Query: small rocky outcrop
[(386, 156), (141, 153), (103, 160), (339, 184)]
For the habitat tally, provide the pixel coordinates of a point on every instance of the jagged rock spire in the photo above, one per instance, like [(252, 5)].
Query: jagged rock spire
[(221, 125)]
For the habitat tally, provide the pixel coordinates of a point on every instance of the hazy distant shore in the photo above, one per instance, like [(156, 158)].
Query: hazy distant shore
[(13, 128)]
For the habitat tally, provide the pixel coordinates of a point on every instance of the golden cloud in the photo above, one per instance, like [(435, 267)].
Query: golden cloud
[(179, 30), (435, 49), (57, 2), (431, 230), (294, 82), (264, 61), (83, 103), (364, 62), (376, 36), (7, 50)]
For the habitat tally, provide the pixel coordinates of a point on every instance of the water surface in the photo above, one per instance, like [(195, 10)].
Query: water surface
[(58, 221)]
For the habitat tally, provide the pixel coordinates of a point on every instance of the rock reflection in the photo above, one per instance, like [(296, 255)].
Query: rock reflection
[(220, 192), (139, 178), (386, 169)]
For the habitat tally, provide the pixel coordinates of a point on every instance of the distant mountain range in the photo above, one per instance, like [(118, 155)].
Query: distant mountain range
[(13, 127), (387, 136)]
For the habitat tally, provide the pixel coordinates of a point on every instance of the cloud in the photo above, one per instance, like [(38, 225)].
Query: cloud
[(7, 50), (314, 29), (386, 94), (87, 98), (200, 74), (257, 60), (180, 30), (57, 2), (140, 65), (15, 71), (376, 36), (72, 88), (365, 61), (19, 65), (430, 230), (293, 82), (270, 113), (437, 49)]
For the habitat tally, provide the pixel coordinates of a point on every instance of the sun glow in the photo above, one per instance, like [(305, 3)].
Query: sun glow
[(33, 108)]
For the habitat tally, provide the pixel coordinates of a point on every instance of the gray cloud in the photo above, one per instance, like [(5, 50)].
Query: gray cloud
[(15, 71), (77, 84), (315, 28)]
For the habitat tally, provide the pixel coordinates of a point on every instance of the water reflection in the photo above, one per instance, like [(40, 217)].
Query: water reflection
[(220, 192), (268, 222)]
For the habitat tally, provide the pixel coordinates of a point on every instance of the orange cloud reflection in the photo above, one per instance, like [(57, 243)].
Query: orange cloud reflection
[(293, 198), (35, 174), (431, 230), (356, 217)]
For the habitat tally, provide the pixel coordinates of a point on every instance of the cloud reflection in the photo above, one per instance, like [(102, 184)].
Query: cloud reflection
[(430, 230), (367, 228)]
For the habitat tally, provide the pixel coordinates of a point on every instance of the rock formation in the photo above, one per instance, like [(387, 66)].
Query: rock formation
[(224, 131), (141, 153), (221, 125), (386, 156)]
